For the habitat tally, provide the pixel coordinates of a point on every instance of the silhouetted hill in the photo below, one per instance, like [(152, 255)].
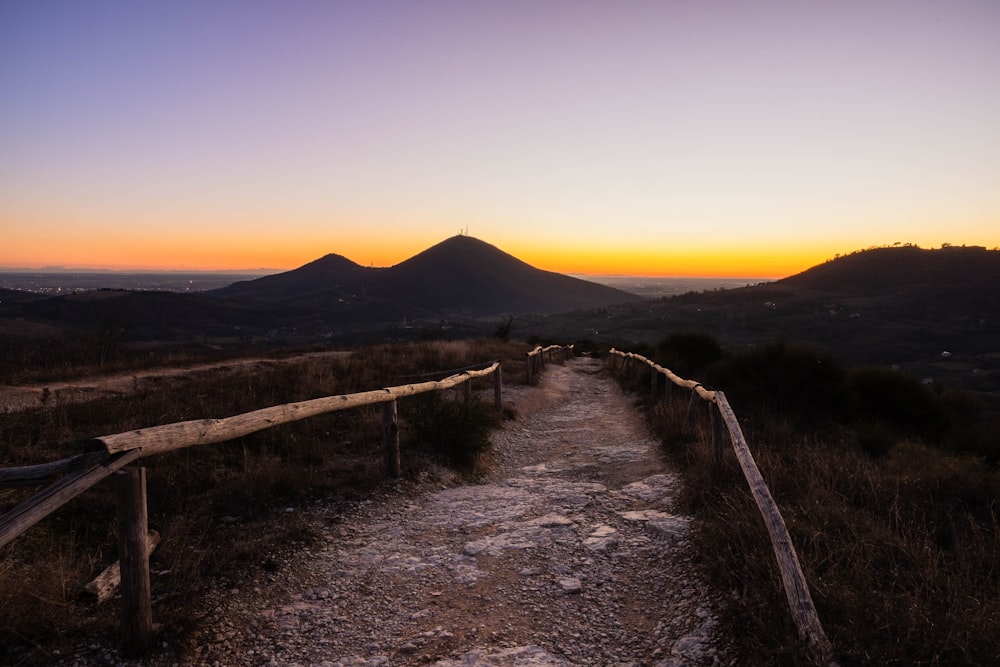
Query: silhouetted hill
[(328, 274), (882, 270), (957, 285), (465, 275), (460, 275), (933, 313), (460, 279)]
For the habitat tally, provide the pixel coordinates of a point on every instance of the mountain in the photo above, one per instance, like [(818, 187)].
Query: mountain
[(460, 279), (884, 270), (932, 313), (953, 285), (328, 274), (459, 276), (464, 274)]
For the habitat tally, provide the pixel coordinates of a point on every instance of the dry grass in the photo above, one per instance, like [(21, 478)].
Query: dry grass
[(219, 508), (902, 551)]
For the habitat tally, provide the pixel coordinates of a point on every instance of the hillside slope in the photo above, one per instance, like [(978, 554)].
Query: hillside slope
[(461, 275), (459, 279), (884, 270), (329, 274), (464, 274), (932, 313)]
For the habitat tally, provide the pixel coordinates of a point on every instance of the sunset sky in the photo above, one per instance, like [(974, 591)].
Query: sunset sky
[(669, 138)]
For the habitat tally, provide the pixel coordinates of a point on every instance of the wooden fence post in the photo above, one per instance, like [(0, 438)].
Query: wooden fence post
[(654, 379), (718, 434), (390, 438), (468, 390), (498, 388), (133, 552)]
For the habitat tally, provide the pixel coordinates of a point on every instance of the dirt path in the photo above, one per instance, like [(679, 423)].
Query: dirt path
[(566, 554), (21, 397)]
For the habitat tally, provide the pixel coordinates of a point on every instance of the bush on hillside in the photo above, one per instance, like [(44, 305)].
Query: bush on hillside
[(778, 385), (783, 380), (896, 400), (689, 353), (458, 430)]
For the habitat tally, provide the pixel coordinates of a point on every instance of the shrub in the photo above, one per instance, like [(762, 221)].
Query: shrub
[(457, 430), (874, 438), (797, 382), (896, 400), (689, 353)]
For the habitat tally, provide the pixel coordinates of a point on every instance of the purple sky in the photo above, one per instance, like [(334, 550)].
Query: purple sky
[(646, 135)]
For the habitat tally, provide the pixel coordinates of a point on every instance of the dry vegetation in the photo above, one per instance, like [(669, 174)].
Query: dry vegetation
[(895, 513), (893, 510), (220, 509)]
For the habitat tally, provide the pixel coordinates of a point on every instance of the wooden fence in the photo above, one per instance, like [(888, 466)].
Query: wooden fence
[(79, 473), (537, 357), (800, 601), (117, 451)]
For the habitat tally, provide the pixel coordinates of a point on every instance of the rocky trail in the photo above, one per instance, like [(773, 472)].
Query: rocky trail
[(566, 553)]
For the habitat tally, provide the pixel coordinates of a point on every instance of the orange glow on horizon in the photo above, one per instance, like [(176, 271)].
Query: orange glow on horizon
[(211, 252), (765, 263)]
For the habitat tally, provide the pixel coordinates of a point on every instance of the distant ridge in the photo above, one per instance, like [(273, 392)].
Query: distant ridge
[(884, 270), (953, 284), (330, 272), (461, 275)]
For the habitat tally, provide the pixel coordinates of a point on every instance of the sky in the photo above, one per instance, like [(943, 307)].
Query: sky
[(661, 138)]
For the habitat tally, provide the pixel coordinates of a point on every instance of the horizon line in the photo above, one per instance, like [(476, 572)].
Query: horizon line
[(271, 271)]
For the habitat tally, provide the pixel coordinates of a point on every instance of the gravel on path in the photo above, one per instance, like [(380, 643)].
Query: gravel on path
[(567, 553)]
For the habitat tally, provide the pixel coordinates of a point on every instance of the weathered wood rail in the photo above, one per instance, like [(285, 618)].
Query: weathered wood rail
[(114, 452), (800, 601), (536, 358)]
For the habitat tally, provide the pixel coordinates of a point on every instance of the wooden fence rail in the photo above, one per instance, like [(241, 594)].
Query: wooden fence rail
[(793, 580), (537, 357), (81, 472), (118, 450)]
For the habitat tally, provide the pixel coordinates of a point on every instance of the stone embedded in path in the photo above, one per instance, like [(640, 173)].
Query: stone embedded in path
[(635, 451), (551, 521), (671, 528), (561, 492), (519, 535), (571, 585), (661, 524), (519, 656), (602, 537), (651, 489), (645, 515)]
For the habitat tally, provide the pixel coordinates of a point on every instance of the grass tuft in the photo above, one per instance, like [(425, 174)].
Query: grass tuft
[(456, 430)]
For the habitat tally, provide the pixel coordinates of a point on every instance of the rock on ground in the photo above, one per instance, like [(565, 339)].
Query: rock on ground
[(567, 553)]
